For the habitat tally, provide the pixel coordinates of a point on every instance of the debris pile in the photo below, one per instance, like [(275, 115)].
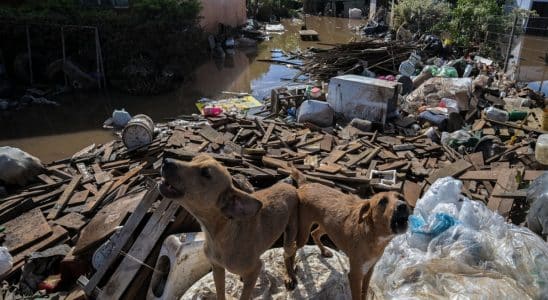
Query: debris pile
[(357, 57), (97, 219)]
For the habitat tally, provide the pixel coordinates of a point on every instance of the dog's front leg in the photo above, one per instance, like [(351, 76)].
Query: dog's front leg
[(250, 279), (355, 276), (219, 279), (366, 279)]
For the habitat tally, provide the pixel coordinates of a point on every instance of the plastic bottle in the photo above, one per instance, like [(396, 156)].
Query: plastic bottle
[(541, 150), (468, 71), (516, 115), (496, 114)]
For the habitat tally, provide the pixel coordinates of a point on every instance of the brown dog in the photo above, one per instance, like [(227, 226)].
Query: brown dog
[(239, 227), (361, 228)]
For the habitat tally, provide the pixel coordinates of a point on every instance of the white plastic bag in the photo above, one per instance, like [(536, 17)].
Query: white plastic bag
[(457, 248), (6, 261), (17, 166), (316, 112)]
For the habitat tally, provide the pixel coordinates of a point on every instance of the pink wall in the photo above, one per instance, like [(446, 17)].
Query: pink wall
[(229, 12)]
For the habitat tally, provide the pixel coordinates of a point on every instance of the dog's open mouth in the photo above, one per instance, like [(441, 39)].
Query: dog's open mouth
[(399, 222), (169, 191)]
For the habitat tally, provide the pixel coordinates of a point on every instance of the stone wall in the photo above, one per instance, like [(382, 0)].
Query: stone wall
[(229, 12)]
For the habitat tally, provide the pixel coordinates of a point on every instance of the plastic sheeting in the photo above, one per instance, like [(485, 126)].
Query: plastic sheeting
[(456, 248)]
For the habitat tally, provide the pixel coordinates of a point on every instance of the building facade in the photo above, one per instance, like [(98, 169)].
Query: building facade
[(228, 12)]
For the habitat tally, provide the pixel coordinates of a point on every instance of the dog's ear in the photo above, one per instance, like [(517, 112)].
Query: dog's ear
[(236, 204), (365, 212)]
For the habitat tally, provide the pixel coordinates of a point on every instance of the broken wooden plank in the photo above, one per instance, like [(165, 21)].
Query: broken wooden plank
[(132, 172), (57, 236), (506, 183), (78, 198), (356, 159), (357, 179), (453, 169), (125, 234), (411, 192), (327, 143), (46, 179), (139, 251), (25, 230), (268, 132), (86, 175), (329, 168), (334, 156), (392, 166), (96, 201), (72, 220), (275, 163), (62, 201), (91, 188)]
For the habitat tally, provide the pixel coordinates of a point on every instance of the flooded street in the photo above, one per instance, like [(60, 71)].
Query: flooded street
[(53, 133), (532, 64)]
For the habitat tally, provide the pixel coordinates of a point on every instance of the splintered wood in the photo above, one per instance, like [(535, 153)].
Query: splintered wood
[(106, 189)]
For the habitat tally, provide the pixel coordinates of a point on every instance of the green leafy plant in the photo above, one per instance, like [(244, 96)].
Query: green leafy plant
[(422, 16)]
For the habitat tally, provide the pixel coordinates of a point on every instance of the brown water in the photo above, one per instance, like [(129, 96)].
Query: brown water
[(52, 133), (532, 64)]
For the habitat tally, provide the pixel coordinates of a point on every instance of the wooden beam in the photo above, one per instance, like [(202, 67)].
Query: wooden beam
[(148, 238), (63, 200), (125, 235)]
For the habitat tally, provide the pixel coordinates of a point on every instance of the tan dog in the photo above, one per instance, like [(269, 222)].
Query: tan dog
[(361, 228), (239, 227)]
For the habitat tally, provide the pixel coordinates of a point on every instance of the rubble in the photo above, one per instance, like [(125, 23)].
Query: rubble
[(102, 202)]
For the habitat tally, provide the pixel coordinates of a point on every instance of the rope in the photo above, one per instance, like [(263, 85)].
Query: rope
[(142, 263)]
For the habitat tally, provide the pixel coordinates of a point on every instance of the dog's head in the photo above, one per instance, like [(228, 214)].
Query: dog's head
[(386, 212), (204, 187)]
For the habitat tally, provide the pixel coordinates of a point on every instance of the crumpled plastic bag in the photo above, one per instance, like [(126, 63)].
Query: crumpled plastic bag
[(17, 166), (456, 248), (537, 196), (6, 261)]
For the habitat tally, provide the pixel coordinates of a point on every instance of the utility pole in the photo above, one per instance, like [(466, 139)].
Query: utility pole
[(510, 43)]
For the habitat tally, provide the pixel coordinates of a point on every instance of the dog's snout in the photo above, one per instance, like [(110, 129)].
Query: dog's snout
[(402, 207), (169, 167)]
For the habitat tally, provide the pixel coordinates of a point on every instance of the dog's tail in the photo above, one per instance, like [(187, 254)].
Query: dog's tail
[(298, 177)]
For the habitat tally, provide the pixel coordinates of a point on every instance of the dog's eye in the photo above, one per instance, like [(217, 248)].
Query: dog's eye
[(204, 172)]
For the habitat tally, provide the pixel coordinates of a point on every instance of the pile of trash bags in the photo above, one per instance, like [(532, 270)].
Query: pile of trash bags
[(457, 248)]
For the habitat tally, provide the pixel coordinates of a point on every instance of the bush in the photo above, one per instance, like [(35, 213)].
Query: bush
[(165, 33), (421, 16)]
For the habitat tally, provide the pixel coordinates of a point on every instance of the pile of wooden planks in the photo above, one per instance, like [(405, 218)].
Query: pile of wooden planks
[(81, 201), (353, 58)]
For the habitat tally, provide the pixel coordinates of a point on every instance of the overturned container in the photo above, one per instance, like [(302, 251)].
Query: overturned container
[(181, 262), (361, 97)]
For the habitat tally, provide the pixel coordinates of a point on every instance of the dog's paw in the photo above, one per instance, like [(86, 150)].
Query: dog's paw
[(327, 253)]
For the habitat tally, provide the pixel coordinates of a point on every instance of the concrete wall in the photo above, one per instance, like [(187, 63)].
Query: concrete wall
[(229, 12)]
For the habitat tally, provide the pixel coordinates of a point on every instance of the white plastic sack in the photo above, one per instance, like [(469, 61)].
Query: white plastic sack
[(6, 261), (17, 166), (457, 248), (316, 112)]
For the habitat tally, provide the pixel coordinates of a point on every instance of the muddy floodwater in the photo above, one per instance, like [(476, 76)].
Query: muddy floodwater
[(53, 133)]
